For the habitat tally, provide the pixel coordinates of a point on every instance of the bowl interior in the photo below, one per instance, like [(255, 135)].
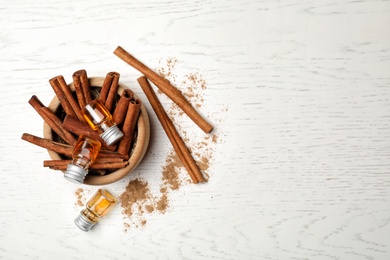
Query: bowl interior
[(140, 145)]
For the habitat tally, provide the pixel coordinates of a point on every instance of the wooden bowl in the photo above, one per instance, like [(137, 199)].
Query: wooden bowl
[(136, 154)]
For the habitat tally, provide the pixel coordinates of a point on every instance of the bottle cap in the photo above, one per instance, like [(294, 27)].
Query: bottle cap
[(112, 135), (83, 223), (75, 174)]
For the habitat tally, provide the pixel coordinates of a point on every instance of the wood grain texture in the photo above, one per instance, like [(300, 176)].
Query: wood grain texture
[(299, 95)]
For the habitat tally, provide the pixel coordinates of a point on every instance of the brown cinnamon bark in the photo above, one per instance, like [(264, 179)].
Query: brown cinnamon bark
[(57, 147), (52, 120), (100, 163), (94, 166), (177, 142), (109, 89), (55, 84), (66, 149), (165, 87), (82, 87), (78, 127), (79, 90), (121, 107), (133, 111)]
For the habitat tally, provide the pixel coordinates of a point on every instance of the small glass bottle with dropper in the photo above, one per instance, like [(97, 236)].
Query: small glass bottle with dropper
[(100, 119), (83, 155), (98, 206)]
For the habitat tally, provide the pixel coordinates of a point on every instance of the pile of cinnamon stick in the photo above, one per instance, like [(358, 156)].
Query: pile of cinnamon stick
[(125, 111)]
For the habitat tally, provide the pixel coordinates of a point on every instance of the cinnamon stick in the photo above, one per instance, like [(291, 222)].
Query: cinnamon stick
[(165, 87), (78, 127), (66, 149), (79, 90), (57, 147), (109, 89), (100, 163), (133, 111), (177, 142), (121, 107), (55, 84), (82, 87), (51, 119)]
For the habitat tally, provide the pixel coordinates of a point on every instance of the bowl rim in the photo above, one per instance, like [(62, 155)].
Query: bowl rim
[(136, 154)]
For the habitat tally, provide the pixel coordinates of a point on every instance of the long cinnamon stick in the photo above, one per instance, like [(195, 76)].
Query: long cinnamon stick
[(121, 107), (66, 149), (51, 119), (165, 87), (100, 163), (177, 142), (109, 89), (133, 111)]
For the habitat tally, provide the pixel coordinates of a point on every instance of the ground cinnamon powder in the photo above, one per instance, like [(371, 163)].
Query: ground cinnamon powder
[(80, 199)]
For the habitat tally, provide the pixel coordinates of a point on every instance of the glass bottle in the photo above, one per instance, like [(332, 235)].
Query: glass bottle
[(83, 155), (98, 206), (100, 119)]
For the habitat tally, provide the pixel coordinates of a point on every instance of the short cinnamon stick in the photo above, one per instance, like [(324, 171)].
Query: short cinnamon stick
[(55, 84), (177, 142), (133, 111), (57, 147), (82, 87), (78, 127), (121, 107), (51, 119), (79, 90), (109, 89), (165, 87)]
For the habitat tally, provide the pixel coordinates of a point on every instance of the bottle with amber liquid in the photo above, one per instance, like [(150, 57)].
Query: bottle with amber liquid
[(100, 119), (83, 155), (98, 206)]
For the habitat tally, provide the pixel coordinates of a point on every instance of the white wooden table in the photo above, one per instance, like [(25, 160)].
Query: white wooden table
[(298, 92)]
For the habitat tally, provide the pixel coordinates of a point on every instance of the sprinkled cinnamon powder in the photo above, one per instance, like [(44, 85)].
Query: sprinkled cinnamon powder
[(136, 193), (80, 202), (170, 172)]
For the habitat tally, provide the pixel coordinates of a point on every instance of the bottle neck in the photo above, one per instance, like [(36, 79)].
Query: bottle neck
[(105, 125), (81, 162), (89, 214)]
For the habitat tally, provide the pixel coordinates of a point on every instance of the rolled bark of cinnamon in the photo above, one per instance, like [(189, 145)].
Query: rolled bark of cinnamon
[(177, 142), (57, 147), (79, 90), (100, 163), (66, 149), (78, 127), (55, 84), (121, 107), (165, 87), (133, 111), (82, 87), (109, 89), (52, 120)]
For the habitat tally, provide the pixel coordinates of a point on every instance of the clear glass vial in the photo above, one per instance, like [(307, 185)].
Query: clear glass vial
[(100, 119), (98, 206), (83, 155)]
